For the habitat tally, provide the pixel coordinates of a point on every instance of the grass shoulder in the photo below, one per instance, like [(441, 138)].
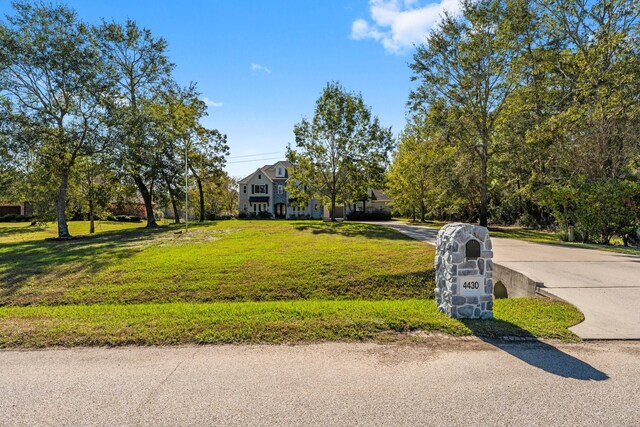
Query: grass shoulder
[(271, 322)]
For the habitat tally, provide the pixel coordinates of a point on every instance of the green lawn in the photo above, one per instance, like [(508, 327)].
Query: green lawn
[(233, 282), (224, 261)]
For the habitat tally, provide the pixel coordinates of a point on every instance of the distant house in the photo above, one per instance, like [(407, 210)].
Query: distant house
[(264, 191), (375, 201), (16, 208), (134, 208)]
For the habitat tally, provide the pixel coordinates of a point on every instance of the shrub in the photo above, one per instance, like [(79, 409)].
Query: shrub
[(15, 218), (220, 217), (599, 210), (123, 218), (253, 215), (300, 216), (374, 215), (264, 215)]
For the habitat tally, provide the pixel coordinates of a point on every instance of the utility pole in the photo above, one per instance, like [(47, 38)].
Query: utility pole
[(186, 188)]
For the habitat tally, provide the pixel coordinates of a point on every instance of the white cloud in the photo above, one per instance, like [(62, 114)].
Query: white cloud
[(262, 68), (210, 103), (398, 24)]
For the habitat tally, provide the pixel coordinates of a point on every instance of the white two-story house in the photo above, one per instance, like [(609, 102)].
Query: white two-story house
[(265, 191)]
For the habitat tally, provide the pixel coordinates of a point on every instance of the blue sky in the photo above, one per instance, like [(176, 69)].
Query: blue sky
[(262, 64)]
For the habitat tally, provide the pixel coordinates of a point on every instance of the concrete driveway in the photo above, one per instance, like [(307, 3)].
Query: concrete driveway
[(441, 381), (605, 286)]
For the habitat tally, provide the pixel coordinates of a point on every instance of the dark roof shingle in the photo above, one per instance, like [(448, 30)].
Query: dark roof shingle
[(379, 195), (270, 170)]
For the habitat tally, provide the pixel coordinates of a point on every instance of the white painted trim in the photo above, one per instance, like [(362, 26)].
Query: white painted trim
[(250, 177)]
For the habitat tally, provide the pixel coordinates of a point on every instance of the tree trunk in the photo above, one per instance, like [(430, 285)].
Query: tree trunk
[(483, 183), (146, 196), (333, 208), (422, 206), (174, 205), (63, 228), (201, 194), (200, 191), (92, 227)]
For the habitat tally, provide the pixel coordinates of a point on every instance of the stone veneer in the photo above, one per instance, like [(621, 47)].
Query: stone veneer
[(452, 267), (279, 198)]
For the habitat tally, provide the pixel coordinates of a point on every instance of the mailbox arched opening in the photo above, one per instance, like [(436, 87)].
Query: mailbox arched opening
[(472, 249), (500, 290)]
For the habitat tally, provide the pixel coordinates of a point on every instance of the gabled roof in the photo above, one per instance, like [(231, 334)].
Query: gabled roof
[(269, 171), (379, 195), (259, 170)]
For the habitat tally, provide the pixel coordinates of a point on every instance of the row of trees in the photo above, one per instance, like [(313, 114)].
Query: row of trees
[(527, 112), (90, 111)]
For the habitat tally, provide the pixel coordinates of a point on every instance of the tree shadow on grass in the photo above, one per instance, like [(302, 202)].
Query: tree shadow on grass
[(21, 261), (19, 230), (533, 351), (351, 229)]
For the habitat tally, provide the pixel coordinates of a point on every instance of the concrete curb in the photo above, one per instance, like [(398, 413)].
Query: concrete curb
[(518, 285)]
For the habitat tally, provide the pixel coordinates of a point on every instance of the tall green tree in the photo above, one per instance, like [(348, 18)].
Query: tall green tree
[(95, 182), (206, 161), (341, 152), (593, 131), (53, 76), (409, 178), (139, 69), (466, 64), (175, 113)]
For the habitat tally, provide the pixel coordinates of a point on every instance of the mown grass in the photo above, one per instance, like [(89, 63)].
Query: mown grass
[(234, 282), (269, 322), (225, 261), (13, 232)]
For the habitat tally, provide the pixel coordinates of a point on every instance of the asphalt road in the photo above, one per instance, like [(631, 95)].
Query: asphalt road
[(605, 286), (443, 381)]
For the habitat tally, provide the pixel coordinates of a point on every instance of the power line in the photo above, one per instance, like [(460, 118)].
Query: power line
[(255, 160), (255, 155)]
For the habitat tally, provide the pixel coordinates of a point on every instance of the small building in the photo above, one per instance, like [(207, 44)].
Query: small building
[(16, 208), (265, 192), (376, 201), (133, 208)]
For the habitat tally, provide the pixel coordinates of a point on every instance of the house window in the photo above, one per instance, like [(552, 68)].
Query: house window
[(259, 176), (255, 208), (316, 207), (280, 172), (280, 189), (260, 189), (244, 189)]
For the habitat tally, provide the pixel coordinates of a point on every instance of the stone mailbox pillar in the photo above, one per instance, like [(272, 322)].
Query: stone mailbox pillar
[(464, 285)]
